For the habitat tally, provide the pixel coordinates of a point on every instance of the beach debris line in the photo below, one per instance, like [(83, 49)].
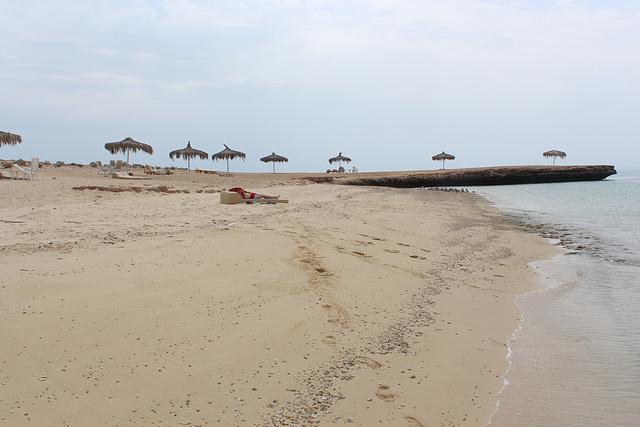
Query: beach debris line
[(319, 387), (158, 189), (554, 154), (452, 190)]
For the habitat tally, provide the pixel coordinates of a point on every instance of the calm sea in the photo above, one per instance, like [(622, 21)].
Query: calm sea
[(575, 359)]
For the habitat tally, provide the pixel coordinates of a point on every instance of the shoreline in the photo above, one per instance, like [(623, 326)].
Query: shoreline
[(568, 335), (353, 303)]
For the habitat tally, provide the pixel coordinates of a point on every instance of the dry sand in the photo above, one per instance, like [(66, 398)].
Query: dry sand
[(128, 302)]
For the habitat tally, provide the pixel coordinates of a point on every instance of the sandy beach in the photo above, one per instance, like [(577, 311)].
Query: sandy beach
[(129, 302)]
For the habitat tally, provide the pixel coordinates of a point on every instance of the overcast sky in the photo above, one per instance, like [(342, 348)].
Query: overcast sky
[(388, 83)]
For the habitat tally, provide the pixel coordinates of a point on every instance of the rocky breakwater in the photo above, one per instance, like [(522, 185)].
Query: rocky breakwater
[(499, 175)]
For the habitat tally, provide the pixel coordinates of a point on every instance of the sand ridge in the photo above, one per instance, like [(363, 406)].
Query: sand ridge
[(358, 305)]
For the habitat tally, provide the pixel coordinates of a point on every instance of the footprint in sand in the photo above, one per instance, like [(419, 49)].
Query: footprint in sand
[(370, 362), (330, 341), (413, 422), (385, 394)]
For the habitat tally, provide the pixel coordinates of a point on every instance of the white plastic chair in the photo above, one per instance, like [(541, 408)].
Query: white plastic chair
[(32, 172), (103, 169)]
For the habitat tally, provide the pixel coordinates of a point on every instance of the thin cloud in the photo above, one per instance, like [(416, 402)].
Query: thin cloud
[(480, 76)]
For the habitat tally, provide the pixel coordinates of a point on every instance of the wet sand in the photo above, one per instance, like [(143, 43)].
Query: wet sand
[(129, 302)]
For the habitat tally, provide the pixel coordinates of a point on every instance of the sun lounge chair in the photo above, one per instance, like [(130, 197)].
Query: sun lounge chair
[(31, 172), (17, 172), (117, 167), (150, 170), (231, 197), (125, 175), (103, 169), (198, 170)]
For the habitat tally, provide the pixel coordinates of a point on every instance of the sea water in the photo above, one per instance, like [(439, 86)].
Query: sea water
[(575, 358)]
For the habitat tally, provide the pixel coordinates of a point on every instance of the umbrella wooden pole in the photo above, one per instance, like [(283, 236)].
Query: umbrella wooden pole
[(274, 167), (188, 165)]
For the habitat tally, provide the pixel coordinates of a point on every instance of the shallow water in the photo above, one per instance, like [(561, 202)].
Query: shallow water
[(576, 358)]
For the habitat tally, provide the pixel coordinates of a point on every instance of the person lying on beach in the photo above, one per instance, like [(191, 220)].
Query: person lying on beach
[(248, 195)]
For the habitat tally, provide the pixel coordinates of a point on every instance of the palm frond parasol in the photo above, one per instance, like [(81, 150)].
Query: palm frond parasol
[(228, 154), (126, 145), (443, 156), (339, 158), (273, 157), (7, 138), (554, 154), (188, 153)]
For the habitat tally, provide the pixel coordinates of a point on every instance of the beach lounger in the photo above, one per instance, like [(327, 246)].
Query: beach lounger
[(17, 172), (231, 197), (124, 175), (103, 169), (150, 170), (117, 167), (198, 170), (28, 173)]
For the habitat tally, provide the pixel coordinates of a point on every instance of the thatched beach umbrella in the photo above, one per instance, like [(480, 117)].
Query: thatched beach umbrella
[(443, 156), (126, 145), (228, 154), (273, 157), (554, 154), (188, 153), (339, 158), (7, 138)]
